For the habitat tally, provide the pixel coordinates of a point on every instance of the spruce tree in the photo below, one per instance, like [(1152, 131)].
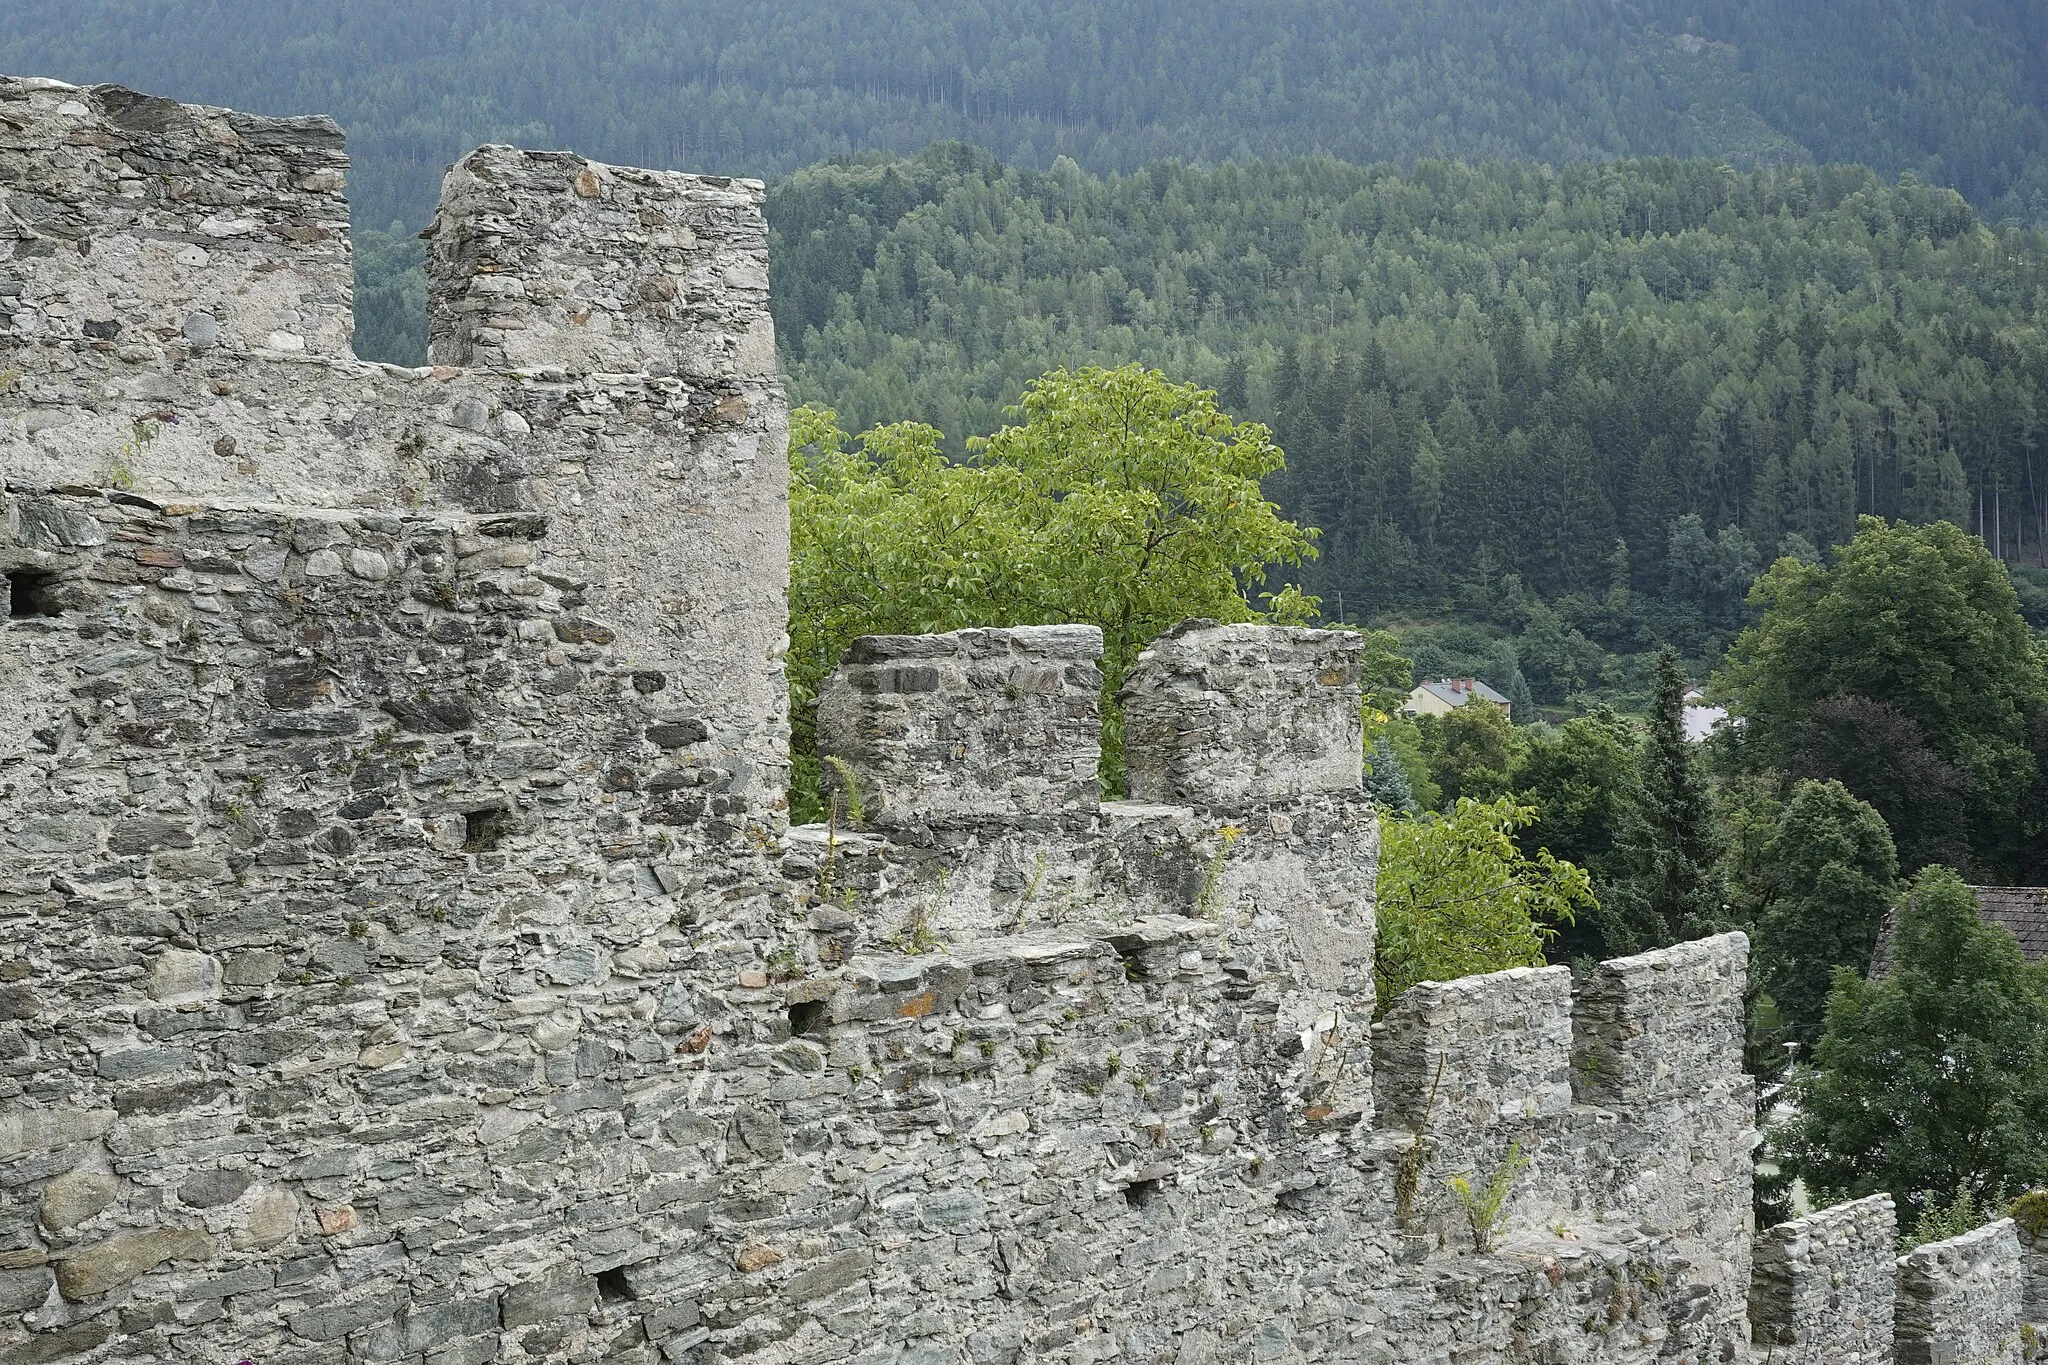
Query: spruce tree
[(1386, 782), (1674, 844)]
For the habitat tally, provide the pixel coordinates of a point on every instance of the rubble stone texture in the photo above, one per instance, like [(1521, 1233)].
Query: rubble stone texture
[(1959, 1301), (965, 726), (1822, 1286), (404, 955), (1203, 691)]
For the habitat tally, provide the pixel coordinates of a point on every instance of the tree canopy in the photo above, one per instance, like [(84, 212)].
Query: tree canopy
[(1936, 1077), (1118, 499), (1458, 897), (1918, 629), (1822, 883)]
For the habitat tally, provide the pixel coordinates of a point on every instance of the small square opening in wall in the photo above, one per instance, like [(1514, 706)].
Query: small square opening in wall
[(1140, 1193), (31, 592), (482, 830), (807, 1017)]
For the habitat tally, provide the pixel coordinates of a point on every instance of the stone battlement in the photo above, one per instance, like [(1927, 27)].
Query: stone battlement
[(405, 956)]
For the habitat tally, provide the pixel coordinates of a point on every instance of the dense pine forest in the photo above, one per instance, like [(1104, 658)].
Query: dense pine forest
[(1617, 390), (1955, 91)]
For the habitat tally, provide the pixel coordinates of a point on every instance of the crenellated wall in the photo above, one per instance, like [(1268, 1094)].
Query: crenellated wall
[(1203, 692), (404, 956), (662, 484), (977, 725), (1959, 1301), (1822, 1286)]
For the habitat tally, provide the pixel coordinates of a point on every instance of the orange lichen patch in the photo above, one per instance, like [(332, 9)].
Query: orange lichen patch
[(918, 1006)]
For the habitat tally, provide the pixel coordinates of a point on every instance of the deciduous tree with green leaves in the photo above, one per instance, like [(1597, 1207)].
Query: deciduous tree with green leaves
[(1117, 498), (1821, 885), (1458, 897), (1934, 1078), (1471, 751), (1919, 619)]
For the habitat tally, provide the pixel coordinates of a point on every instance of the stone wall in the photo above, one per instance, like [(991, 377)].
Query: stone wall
[(663, 485), (975, 725), (1204, 690), (1657, 1041), (1822, 1286), (1959, 1301), (404, 956), (2031, 1223)]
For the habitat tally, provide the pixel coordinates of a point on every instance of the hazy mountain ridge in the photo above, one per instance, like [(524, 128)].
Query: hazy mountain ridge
[(1951, 90)]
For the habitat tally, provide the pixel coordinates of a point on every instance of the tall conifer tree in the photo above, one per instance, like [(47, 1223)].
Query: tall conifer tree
[(1675, 847)]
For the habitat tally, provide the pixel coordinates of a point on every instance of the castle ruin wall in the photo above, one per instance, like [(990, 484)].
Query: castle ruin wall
[(1823, 1285), (1215, 715), (405, 957), (1959, 1301)]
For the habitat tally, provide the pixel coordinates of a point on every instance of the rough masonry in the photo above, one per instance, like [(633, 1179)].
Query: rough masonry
[(405, 955)]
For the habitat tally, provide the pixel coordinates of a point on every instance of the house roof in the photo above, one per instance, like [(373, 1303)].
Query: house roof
[(2022, 909), (1458, 691)]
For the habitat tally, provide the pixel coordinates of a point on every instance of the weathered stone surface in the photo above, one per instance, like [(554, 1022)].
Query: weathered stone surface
[(107, 1265), (71, 1199), (211, 1189), (184, 978), (272, 1217), (557, 1294), (22, 1290), (1233, 715), (35, 1129), (1822, 1286), (332, 1322), (827, 1277), (972, 725), (1959, 1301), (64, 1344)]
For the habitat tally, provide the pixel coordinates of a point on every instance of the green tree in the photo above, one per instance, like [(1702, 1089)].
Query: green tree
[(1822, 884), (1934, 1078), (1674, 848), (1581, 780), (1403, 736), (1386, 781), (1119, 499), (1471, 751), (1458, 897), (1920, 619)]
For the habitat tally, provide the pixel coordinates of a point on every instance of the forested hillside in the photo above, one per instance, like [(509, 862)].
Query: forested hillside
[(1651, 376), (1508, 393), (1952, 90)]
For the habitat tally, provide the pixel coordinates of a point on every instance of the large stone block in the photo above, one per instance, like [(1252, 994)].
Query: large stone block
[(94, 1270), (1233, 716), (978, 724)]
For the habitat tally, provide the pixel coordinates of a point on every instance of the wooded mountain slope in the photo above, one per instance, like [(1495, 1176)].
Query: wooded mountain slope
[(1952, 90), (1476, 372)]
